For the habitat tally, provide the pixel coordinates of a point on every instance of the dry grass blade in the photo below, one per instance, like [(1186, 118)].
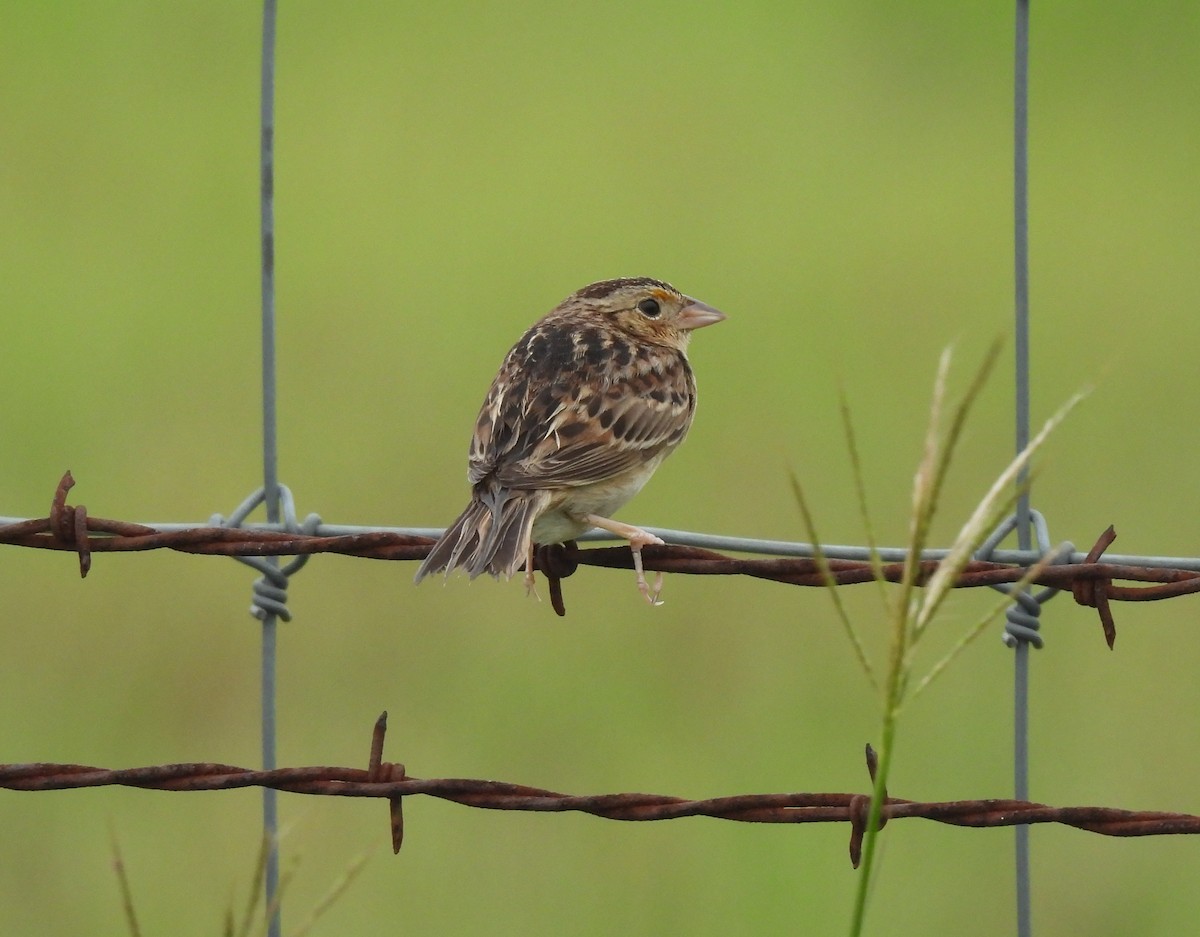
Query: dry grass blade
[(257, 883), (860, 491), (916, 609), (962, 411), (335, 892), (924, 505), (819, 558), (118, 863), (984, 620), (981, 522), (273, 907)]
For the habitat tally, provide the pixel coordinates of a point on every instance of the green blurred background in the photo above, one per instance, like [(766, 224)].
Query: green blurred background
[(837, 178)]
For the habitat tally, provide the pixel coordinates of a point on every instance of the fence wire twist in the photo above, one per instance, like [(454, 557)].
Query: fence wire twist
[(390, 780)]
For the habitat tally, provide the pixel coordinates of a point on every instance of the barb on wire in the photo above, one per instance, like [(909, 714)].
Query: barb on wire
[(383, 779), (1092, 582), (860, 811), (1089, 592)]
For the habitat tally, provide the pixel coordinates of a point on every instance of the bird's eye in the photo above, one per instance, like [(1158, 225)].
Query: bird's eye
[(649, 308)]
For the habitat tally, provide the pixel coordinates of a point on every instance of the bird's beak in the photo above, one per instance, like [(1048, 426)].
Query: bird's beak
[(696, 315)]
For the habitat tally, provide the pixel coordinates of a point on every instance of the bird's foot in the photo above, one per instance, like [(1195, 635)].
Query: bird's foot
[(644, 539), (637, 538)]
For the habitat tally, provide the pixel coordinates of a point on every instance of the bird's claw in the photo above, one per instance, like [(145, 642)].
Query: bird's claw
[(651, 595)]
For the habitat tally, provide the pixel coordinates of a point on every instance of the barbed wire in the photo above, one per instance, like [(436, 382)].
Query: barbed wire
[(390, 780), (1092, 583)]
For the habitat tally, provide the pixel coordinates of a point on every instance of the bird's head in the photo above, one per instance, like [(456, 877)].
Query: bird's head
[(644, 309)]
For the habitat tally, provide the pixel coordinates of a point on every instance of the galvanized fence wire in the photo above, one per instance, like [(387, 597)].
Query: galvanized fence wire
[(1023, 617), (390, 780), (269, 495)]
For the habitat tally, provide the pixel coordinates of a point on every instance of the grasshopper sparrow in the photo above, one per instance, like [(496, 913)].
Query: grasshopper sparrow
[(585, 407)]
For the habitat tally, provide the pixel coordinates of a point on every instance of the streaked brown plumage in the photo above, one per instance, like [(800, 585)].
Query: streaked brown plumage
[(583, 410)]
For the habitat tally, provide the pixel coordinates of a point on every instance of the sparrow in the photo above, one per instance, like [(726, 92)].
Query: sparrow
[(585, 407)]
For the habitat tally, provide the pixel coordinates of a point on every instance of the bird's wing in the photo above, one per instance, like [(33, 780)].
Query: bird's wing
[(559, 416)]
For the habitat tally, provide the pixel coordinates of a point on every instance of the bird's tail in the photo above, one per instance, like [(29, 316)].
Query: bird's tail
[(491, 536)]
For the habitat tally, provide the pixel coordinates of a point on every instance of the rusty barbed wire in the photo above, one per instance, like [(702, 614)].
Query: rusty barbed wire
[(390, 781), (1092, 582)]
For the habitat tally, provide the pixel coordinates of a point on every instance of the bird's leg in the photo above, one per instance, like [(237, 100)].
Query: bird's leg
[(530, 583), (637, 538)]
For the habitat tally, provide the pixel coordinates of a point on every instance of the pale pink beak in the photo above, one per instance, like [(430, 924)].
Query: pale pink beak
[(696, 315)]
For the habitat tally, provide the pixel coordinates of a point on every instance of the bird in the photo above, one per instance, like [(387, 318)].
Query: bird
[(585, 407)]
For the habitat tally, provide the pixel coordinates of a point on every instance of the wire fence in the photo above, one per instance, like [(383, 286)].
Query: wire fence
[(1091, 580), (1095, 578)]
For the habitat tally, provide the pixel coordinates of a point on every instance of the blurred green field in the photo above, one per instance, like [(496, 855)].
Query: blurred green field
[(837, 178)]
